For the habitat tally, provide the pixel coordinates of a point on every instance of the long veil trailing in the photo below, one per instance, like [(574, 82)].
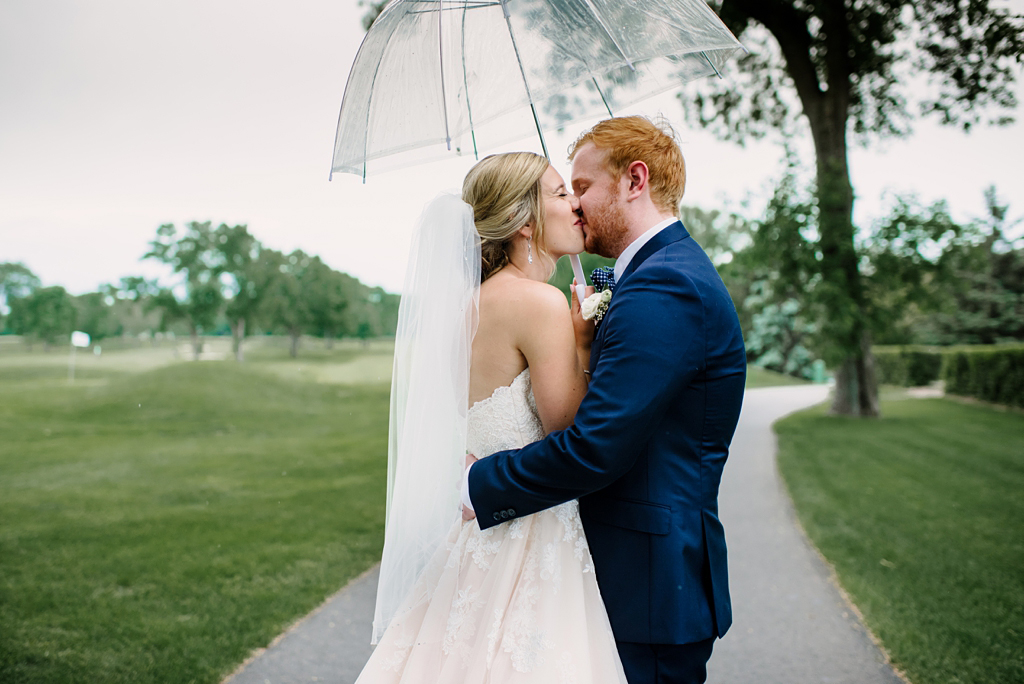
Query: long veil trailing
[(437, 320)]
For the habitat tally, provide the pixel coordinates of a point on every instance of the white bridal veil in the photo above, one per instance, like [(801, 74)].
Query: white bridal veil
[(437, 320)]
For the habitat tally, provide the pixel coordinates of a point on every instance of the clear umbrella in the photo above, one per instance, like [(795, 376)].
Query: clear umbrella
[(440, 77)]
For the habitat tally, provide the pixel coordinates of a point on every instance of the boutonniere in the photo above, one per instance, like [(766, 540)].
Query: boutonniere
[(595, 306)]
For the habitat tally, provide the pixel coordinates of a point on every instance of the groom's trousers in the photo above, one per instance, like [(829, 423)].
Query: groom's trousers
[(665, 663)]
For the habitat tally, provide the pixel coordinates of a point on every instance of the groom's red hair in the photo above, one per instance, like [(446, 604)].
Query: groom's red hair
[(627, 139)]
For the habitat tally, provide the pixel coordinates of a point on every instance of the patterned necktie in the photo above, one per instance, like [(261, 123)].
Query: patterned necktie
[(603, 278)]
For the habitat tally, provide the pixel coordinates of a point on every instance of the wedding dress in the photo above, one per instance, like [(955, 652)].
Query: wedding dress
[(518, 602)]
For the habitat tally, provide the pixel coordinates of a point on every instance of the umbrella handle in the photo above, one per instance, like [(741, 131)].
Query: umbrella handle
[(581, 280)]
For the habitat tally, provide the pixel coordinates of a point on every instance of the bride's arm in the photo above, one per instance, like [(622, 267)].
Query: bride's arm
[(547, 339), (582, 329)]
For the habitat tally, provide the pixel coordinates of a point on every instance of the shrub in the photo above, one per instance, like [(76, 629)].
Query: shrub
[(988, 373), (907, 366)]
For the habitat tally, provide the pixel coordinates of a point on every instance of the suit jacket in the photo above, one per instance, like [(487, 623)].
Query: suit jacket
[(646, 451)]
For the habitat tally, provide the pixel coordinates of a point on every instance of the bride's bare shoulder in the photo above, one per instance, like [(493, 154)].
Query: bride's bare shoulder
[(513, 295)]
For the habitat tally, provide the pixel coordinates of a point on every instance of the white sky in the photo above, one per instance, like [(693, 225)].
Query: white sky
[(119, 115)]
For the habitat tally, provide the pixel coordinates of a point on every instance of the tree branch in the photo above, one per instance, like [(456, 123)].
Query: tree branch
[(789, 26)]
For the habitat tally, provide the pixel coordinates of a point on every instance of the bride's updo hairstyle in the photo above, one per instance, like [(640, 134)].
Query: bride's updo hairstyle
[(505, 193)]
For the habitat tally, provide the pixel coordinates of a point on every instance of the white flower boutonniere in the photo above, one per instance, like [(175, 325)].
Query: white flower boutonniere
[(595, 306)]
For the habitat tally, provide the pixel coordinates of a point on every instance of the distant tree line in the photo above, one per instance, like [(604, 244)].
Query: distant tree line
[(224, 281)]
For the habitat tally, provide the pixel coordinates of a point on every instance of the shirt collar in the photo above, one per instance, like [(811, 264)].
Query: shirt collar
[(627, 254)]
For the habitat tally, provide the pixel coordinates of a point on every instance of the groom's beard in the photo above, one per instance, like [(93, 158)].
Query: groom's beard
[(607, 232)]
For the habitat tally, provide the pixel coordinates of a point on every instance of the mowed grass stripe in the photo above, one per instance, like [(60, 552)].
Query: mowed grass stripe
[(922, 516), (163, 542)]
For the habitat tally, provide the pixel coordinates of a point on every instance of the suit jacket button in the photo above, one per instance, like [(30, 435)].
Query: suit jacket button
[(497, 516), (504, 515), (512, 512)]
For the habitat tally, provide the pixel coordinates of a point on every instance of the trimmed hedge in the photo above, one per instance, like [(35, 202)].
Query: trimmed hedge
[(986, 373), (907, 366)]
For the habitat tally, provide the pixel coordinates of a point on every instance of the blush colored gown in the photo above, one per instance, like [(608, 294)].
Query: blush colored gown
[(518, 602)]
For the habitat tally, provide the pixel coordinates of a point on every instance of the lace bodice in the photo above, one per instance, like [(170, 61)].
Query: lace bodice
[(507, 419)]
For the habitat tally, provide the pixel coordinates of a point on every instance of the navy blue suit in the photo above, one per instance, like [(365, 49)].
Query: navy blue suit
[(646, 451)]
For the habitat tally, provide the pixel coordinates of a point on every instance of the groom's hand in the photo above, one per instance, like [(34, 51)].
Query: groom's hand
[(468, 513)]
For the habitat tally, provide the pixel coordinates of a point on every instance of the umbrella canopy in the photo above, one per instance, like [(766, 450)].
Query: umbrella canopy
[(440, 77)]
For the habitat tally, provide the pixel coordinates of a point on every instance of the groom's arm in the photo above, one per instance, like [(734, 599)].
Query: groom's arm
[(654, 344)]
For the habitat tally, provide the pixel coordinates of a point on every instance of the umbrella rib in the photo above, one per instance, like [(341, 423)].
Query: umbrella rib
[(601, 93), (600, 20), (369, 102), (526, 84), (711, 64), (465, 6)]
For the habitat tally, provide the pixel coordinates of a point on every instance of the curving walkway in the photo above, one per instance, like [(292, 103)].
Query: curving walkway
[(791, 624)]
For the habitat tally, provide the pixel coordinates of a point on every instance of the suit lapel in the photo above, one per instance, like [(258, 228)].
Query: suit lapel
[(674, 232)]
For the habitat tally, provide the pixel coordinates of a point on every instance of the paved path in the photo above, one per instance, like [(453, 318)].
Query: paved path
[(791, 625)]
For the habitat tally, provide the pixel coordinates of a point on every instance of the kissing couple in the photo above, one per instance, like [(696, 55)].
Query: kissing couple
[(589, 547)]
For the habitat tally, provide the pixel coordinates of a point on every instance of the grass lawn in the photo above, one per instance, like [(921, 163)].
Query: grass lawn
[(160, 519), (922, 515), (762, 377)]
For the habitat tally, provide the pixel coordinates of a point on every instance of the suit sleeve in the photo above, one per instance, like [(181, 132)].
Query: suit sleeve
[(654, 344)]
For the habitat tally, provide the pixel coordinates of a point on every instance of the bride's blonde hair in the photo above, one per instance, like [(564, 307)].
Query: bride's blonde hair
[(505, 193)]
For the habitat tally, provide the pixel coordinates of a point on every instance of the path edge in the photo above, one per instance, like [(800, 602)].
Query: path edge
[(257, 652), (833, 576)]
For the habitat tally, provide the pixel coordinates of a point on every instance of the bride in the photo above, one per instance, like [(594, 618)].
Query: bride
[(488, 357)]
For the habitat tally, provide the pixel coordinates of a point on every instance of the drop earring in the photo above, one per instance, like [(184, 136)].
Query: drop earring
[(529, 249)]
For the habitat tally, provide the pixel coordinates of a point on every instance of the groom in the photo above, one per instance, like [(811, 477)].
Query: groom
[(645, 454)]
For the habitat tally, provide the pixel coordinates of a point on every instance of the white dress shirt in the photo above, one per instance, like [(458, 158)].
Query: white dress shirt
[(620, 267)]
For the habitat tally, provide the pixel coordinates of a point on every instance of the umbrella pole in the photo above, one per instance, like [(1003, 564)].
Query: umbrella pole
[(440, 58), (465, 82), (526, 84)]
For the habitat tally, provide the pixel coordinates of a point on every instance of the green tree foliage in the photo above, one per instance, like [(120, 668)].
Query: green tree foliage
[(47, 314), (329, 293), (373, 10), (197, 297), (16, 280), (772, 278), (981, 273), (246, 277), (779, 332), (134, 305), (720, 234), (288, 303), (842, 66), (96, 316), (926, 278)]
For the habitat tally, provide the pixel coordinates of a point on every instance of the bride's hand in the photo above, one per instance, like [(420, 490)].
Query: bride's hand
[(583, 330)]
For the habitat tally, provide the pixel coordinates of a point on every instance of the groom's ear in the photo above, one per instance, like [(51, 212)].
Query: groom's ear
[(638, 176)]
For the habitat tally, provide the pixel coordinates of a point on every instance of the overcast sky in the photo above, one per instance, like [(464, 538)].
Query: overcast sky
[(118, 115)]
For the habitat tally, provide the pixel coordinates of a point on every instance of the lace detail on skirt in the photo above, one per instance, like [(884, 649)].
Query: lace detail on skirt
[(516, 603)]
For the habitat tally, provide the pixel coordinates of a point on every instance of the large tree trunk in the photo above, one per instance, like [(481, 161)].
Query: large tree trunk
[(237, 337), (856, 391), (296, 336), (197, 346)]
